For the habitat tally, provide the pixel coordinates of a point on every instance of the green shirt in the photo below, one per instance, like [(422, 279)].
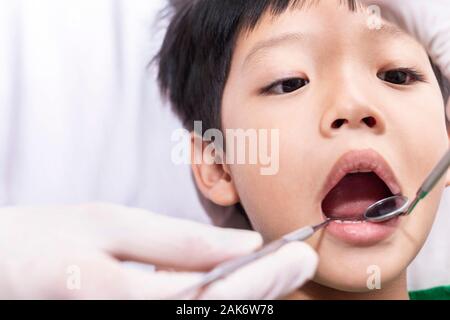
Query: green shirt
[(439, 293)]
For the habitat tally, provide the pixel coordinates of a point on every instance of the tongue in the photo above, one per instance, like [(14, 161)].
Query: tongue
[(350, 198)]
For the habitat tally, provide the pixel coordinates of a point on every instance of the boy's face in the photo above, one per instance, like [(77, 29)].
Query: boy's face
[(352, 108)]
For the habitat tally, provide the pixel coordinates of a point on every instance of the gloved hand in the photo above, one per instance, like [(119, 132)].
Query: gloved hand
[(43, 249), (428, 21)]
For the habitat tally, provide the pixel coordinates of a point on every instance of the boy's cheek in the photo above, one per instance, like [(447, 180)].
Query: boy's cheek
[(276, 204)]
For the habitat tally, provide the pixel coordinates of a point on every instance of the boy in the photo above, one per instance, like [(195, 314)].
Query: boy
[(360, 115)]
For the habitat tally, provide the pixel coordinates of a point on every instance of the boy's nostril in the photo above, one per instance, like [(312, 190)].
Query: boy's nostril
[(370, 121), (338, 123)]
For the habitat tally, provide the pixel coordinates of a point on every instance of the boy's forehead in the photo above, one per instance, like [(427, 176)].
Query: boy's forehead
[(315, 22)]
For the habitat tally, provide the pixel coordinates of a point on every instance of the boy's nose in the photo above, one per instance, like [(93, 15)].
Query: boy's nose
[(351, 116)]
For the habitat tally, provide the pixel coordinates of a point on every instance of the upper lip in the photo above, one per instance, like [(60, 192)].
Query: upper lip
[(365, 160)]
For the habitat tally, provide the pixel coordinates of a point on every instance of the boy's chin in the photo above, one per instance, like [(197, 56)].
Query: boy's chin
[(358, 285), (363, 280)]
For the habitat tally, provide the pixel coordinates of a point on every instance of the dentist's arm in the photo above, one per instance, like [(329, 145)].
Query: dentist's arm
[(74, 252)]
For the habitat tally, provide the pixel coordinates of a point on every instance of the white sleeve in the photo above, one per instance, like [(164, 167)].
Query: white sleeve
[(81, 118)]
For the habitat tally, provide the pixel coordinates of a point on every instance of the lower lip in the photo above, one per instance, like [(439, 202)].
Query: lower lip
[(364, 233)]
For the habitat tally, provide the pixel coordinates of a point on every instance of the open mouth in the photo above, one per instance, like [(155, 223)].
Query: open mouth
[(354, 193), (358, 180)]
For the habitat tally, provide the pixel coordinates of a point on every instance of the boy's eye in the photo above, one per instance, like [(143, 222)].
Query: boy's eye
[(401, 76), (285, 86)]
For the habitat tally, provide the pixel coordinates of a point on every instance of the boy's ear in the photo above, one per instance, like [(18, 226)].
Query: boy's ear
[(213, 179)]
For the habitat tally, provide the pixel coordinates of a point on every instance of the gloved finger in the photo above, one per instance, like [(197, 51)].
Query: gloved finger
[(161, 285), (101, 277), (270, 277), (142, 236)]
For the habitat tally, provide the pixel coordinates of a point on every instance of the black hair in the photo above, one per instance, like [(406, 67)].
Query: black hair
[(196, 53)]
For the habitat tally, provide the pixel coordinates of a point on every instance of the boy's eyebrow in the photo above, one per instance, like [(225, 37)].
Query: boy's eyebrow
[(273, 42), (387, 30)]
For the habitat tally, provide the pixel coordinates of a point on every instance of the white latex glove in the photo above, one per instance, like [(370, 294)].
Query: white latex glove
[(40, 247), (428, 21)]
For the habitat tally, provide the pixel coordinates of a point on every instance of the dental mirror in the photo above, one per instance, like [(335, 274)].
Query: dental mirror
[(398, 205), (387, 209)]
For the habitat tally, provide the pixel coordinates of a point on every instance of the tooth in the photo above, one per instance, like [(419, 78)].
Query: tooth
[(361, 170), (350, 221)]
